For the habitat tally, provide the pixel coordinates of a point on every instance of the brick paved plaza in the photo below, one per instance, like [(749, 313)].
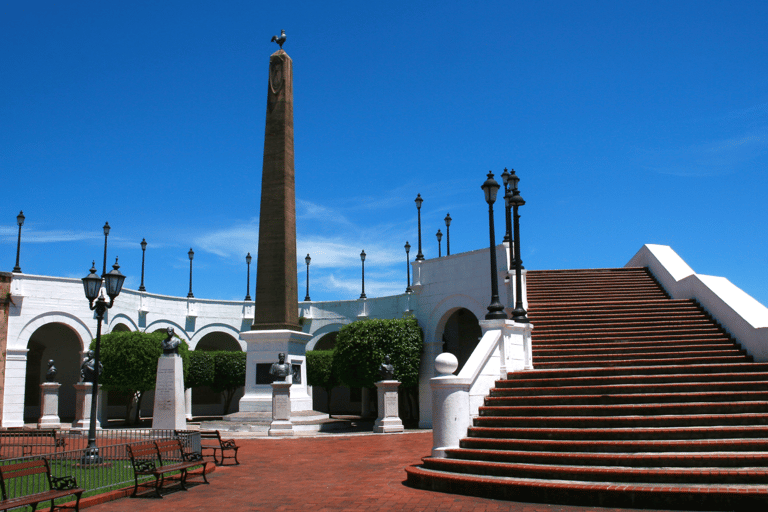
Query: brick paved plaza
[(342, 472)]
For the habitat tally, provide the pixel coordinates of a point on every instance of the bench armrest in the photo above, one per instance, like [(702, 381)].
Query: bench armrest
[(63, 483), (193, 457), (143, 465), (228, 444)]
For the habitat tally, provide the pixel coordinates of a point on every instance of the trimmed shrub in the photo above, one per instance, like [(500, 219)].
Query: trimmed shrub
[(321, 372)]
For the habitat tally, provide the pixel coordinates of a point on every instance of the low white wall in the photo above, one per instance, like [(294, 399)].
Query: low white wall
[(745, 319)]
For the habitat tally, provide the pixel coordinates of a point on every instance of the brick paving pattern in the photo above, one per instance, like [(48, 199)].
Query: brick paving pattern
[(345, 472)]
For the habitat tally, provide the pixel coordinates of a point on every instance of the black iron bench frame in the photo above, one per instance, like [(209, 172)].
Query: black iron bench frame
[(147, 459), (218, 444), (58, 487)]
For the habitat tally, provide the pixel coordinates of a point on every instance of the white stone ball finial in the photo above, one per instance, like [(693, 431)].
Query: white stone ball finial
[(446, 363)]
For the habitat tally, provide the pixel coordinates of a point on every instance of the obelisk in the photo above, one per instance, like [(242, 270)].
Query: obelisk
[(276, 318)]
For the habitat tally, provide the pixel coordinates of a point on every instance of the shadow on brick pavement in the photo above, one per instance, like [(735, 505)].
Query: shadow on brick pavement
[(342, 472)]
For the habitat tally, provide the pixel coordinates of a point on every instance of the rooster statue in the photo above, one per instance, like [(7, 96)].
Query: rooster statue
[(279, 39)]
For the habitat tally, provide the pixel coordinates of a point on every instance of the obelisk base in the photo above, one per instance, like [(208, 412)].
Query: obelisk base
[(281, 410), (169, 411), (389, 418), (263, 350), (83, 399), (49, 405)]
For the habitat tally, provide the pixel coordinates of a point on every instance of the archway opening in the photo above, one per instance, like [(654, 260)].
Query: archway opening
[(120, 328), (205, 401), (62, 344), (461, 334)]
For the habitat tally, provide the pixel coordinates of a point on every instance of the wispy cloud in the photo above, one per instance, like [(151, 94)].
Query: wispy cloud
[(33, 236)]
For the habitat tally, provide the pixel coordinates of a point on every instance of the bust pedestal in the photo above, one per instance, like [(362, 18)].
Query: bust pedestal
[(389, 419), (170, 406), (281, 410), (49, 405), (84, 396)]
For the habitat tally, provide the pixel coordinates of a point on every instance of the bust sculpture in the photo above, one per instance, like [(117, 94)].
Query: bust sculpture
[(171, 343), (280, 370), (386, 370), (50, 375), (88, 368)]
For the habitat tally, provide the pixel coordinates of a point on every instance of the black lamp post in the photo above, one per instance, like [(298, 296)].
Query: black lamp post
[(448, 234), (408, 267), (362, 259), (514, 179), (495, 308), (419, 200), (439, 236), (113, 283), (519, 314), (248, 279), (143, 251), (191, 255), (307, 260), (20, 221), (106, 234), (508, 234)]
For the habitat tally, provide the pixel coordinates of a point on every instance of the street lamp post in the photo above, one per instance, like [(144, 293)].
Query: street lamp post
[(448, 234), (143, 251), (20, 221), (113, 284), (408, 267), (307, 260), (419, 200), (514, 179), (362, 260), (519, 314), (106, 234), (248, 279), (439, 236), (508, 233), (495, 308), (191, 255)]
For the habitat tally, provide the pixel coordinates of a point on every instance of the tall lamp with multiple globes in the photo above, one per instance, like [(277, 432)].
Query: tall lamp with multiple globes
[(495, 308), (113, 284)]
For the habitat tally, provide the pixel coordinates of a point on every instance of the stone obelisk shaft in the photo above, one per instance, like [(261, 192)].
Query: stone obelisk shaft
[(276, 287)]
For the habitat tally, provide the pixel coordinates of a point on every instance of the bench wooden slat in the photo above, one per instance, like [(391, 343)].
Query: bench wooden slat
[(155, 465)]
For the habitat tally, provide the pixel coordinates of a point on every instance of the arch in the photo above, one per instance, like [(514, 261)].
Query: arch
[(318, 334), (161, 325), (122, 319), (217, 328), (440, 313), (61, 343), (461, 333), (120, 327), (218, 340), (82, 331)]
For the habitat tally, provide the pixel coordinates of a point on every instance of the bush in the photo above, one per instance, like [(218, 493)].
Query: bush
[(362, 345), (228, 374), (321, 372), (200, 369)]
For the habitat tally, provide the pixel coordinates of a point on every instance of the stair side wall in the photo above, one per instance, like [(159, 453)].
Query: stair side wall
[(743, 317)]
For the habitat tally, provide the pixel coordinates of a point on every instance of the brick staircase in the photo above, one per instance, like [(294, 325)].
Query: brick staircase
[(636, 400)]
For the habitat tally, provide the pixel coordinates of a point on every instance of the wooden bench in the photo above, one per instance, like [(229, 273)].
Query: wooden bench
[(211, 440), (29, 439), (58, 487), (157, 458)]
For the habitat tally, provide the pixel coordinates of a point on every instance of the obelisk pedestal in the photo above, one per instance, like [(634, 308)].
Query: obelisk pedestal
[(169, 411), (83, 398), (281, 410), (389, 418), (49, 405)]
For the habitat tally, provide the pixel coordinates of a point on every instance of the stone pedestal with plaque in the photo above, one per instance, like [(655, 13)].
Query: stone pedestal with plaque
[(389, 418), (83, 397), (169, 411), (49, 405), (281, 410)]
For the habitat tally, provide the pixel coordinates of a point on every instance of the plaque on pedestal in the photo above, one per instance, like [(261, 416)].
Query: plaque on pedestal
[(49, 405), (389, 419), (281, 410), (169, 411), (84, 395)]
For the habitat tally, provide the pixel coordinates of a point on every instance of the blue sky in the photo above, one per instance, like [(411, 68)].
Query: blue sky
[(627, 122)]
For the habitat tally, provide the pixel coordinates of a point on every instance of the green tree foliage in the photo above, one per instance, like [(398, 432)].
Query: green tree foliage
[(130, 363), (321, 372), (362, 345), (228, 374), (200, 369)]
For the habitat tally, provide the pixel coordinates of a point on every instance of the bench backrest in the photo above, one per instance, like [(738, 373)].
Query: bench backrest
[(169, 450), (22, 469), (210, 434)]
